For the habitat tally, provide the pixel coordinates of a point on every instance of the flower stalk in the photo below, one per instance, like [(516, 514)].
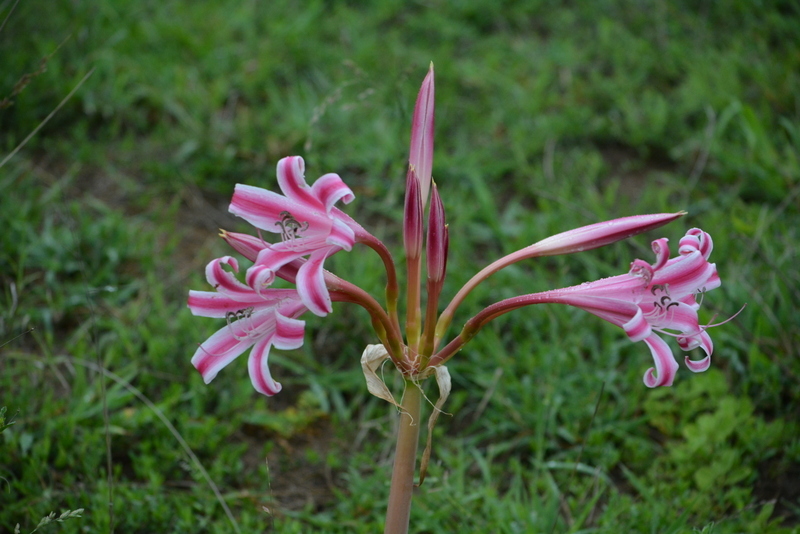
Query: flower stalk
[(398, 510)]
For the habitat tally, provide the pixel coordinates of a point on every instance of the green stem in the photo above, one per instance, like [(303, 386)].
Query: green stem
[(405, 460)]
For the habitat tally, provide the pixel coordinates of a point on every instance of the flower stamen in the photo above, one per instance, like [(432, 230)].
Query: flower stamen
[(291, 228), (245, 314)]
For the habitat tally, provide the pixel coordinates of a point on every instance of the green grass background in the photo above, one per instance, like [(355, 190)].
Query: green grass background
[(550, 115)]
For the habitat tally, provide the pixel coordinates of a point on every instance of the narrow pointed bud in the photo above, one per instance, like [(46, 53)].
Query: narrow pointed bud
[(597, 235), (438, 239), (412, 217), (421, 157), (436, 257), (247, 245)]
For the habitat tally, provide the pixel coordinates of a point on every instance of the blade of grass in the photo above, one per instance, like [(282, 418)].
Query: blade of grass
[(3, 25), (583, 444), (47, 119), (158, 412), (28, 331)]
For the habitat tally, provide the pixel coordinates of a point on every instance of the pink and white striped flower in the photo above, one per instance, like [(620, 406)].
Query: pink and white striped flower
[(258, 319), (653, 299), (308, 224), (647, 301)]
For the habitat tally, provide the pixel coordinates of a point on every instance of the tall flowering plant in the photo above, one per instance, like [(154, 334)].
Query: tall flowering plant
[(649, 301)]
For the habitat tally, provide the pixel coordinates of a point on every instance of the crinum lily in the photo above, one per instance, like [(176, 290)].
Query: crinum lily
[(257, 319), (307, 223), (649, 301)]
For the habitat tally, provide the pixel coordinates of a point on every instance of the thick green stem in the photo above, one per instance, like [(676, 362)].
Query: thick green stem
[(405, 461)]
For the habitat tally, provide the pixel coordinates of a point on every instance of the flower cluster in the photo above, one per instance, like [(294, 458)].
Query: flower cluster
[(649, 301)]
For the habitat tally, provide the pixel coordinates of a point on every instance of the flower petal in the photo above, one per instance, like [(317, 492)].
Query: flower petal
[(289, 332), (661, 249), (666, 366), (292, 181), (706, 245), (342, 236), (270, 211), (258, 367), (329, 189), (615, 311), (702, 340), (638, 328), (218, 351), (268, 262), (225, 281), (671, 315), (210, 304), (685, 274), (260, 277), (311, 283)]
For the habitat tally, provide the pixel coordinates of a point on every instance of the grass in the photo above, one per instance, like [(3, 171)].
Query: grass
[(548, 117)]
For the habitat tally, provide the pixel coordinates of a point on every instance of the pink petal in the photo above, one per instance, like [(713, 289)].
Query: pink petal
[(270, 260), (618, 312), (288, 272), (637, 328), (211, 304), (666, 366), (258, 367), (713, 281), (267, 210), (329, 189), (218, 351), (341, 236), (685, 275), (293, 183), (620, 287), (311, 284), (289, 332), (260, 277), (702, 340), (661, 249), (706, 244), (358, 230), (672, 315), (224, 281)]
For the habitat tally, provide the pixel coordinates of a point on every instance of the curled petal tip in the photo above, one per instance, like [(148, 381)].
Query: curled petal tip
[(698, 366)]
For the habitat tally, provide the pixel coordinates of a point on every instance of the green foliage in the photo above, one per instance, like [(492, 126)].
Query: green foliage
[(716, 443), (3, 423), (549, 116)]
